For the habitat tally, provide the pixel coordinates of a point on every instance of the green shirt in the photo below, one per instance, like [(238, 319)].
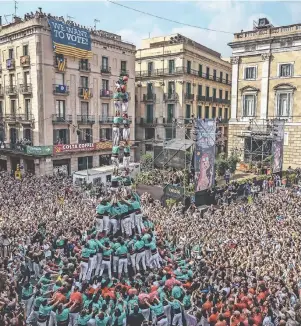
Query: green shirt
[(86, 252), (27, 292), (102, 322), (119, 319), (175, 305), (139, 245), (176, 292), (122, 251), (158, 309), (83, 320), (63, 316), (45, 310)]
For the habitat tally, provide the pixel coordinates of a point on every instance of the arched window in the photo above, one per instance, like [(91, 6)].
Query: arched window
[(249, 101), (284, 95)]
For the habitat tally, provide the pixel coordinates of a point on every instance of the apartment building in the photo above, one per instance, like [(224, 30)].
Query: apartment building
[(266, 85), (61, 105), (175, 79)]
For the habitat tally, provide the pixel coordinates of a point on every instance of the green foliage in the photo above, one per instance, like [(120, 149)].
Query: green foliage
[(223, 163), (170, 202), (146, 162)]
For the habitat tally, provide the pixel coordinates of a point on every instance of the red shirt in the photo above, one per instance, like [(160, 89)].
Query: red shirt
[(76, 297)]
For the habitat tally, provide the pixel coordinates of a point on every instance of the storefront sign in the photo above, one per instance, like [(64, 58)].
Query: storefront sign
[(39, 150), (72, 148)]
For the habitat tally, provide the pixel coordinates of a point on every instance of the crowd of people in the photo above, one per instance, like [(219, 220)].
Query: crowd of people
[(122, 259)]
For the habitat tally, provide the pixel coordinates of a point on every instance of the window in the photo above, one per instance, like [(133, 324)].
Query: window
[(149, 89), (221, 76), (188, 111), (283, 104), (170, 113), (60, 136), (188, 88), (220, 112), (84, 64), (226, 114), (249, 105), (149, 133), (60, 108), (123, 66), (250, 73), (105, 62), (207, 91), (227, 77), (214, 93), (170, 133), (171, 87), (13, 107), (105, 111), (25, 49), (105, 85), (1, 108), (85, 136), (84, 109), (10, 53), (226, 95), (105, 133), (206, 112), (27, 109), (220, 93), (200, 90), (150, 67), (149, 113), (200, 70), (104, 160), (26, 78), (189, 67), (199, 111), (171, 66), (213, 112), (59, 79), (207, 72), (214, 74), (84, 81), (285, 70), (85, 163), (11, 80)]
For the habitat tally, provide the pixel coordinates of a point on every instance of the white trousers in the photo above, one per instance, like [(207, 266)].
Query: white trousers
[(106, 264), (28, 304), (73, 318), (83, 271), (140, 257), (91, 266), (113, 225), (115, 263), (155, 261), (126, 226), (146, 313), (126, 133), (177, 320), (167, 312), (52, 319), (148, 255), (98, 263), (139, 223), (122, 266), (126, 161), (106, 223), (99, 224), (162, 322), (116, 136)]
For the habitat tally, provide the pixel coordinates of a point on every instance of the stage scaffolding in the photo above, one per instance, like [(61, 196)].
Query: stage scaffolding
[(257, 139)]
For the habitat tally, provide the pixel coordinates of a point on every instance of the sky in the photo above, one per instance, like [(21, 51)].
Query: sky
[(229, 16)]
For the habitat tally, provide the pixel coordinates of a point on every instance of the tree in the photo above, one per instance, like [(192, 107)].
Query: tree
[(146, 162)]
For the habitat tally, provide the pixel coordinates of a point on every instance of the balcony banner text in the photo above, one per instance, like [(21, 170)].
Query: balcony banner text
[(204, 154), (70, 40), (277, 145)]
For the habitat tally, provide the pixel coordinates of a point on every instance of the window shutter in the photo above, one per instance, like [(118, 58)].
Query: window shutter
[(243, 105), (254, 105)]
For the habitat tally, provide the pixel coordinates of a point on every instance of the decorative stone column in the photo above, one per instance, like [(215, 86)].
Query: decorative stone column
[(234, 91), (265, 85)]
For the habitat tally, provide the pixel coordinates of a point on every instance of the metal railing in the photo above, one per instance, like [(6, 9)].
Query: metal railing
[(124, 72), (84, 66), (25, 89), (67, 118), (85, 92), (105, 70), (86, 119), (60, 89), (105, 93), (179, 71), (11, 90), (189, 96), (149, 97), (19, 117), (106, 119), (171, 97)]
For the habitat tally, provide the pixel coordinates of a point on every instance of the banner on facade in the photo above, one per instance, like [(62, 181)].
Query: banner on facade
[(172, 191), (277, 145), (70, 40), (204, 154), (39, 150)]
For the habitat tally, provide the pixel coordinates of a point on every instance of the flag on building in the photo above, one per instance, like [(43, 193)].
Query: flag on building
[(86, 93), (61, 62)]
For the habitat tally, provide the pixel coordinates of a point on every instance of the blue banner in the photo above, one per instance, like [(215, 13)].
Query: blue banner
[(204, 154), (70, 40)]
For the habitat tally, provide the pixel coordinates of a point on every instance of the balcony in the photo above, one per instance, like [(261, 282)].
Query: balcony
[(149, 97), (22, 118), (60, 63), (25, 61), (106, 120), (124, 73), (85, 93), (1, 91), (10, 64), (105, 70), (11, 90), (86, 119), (26, 89), (223, 101), (105, 93), (84, 67), (60, 89), (201, 98), (189, 97), (148, 121), (170, 97), (64, 119)]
